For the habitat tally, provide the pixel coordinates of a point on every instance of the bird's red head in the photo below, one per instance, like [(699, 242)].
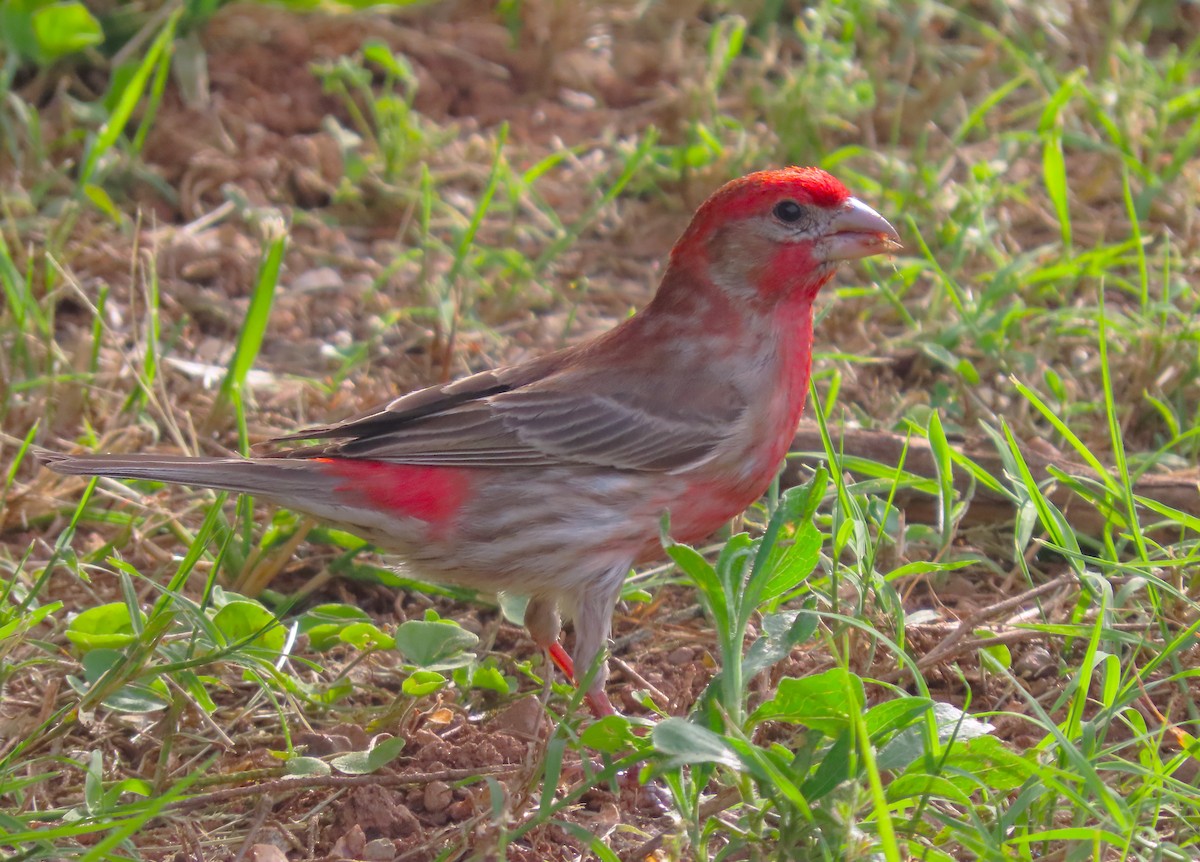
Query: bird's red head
[(758, 192), (774, 233)]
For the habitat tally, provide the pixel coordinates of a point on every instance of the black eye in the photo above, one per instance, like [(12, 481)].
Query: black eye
[(789, 211)]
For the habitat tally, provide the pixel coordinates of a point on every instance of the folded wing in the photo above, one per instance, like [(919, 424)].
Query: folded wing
[(531, 416)]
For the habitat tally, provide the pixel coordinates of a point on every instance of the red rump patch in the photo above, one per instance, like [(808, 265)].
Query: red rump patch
[(430, 494)]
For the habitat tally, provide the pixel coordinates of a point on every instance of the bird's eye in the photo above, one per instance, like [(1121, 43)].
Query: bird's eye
[(789, 211)]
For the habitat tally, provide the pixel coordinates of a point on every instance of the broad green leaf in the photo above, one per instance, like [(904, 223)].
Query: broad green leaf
[(609, 735), (324, 623), (106, 626), (366, 636), (823, 702), (306, 766), (950, 722), (685, 742), (795, 562), (781, 632), (893, 715), (434, 645), (489, 678), (380, 754), (922, 786), (833, 768), (65, 28), (132, 697), (242, 618), (421, 683)]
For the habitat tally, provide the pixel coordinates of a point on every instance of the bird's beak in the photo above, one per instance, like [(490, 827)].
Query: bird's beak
[(857, 231)]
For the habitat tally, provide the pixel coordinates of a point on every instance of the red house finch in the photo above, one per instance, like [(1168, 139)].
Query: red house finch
[(549, 478)]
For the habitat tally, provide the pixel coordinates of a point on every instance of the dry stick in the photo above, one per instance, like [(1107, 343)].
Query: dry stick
[(308, 782), (263, 810), (948, 646), (639, 679), (724, 799)]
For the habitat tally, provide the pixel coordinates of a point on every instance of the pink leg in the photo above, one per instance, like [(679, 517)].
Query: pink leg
[(597, 701)]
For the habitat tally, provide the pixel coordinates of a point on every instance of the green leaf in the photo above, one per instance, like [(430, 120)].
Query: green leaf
[(922, 786), (421, 683), (781, 632), (833, 769), (893, 715), (612, 734), (434, 645), (489, 678), (940, 449), (106, 626), (65, 28), (254, 325), (29, 620), (1000, 653), (711, 593), (380, 754), (306, 766), (194, 684), (242, 618), (795, 562), (132, 697), (324, 624), (136, 786), (100, 198), (366, 636), (684, 742), (824, 702), (131, 94), (950, 723), (985, 762), (16, 29)]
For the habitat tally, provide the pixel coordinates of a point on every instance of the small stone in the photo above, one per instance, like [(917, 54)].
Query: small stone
[(379, 850), (1036, 663), (424, 736), (267, 853), (321, 278), (438, 795), (351, 844), (681, 656), (525, 719)]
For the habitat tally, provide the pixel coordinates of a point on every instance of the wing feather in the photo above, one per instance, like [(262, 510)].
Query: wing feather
[(539, 414)]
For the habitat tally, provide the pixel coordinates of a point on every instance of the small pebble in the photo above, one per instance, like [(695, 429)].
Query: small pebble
[(379, 850), (438, 795), (681, 656)]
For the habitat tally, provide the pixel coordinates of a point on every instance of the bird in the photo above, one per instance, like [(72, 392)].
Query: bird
[(550, 478)]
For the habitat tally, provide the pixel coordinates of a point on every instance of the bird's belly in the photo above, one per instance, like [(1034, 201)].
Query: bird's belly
[(549, 530)]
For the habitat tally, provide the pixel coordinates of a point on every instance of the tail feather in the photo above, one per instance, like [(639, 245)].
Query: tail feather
[(283, 478)]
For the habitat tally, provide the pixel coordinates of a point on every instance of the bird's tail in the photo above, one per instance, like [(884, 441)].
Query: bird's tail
[(278, 478)]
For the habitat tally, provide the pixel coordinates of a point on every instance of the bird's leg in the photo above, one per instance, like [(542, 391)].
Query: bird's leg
[(592, 615), (597, 699), (559, 656), (543, 622)]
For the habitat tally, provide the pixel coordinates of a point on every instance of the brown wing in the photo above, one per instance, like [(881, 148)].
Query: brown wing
[(523, 416)]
